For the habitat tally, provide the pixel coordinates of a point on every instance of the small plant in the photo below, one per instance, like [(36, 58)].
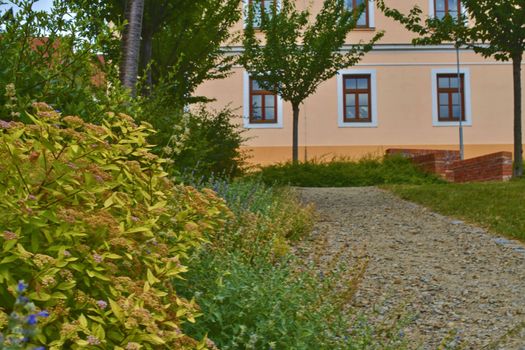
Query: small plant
[(22, 323)]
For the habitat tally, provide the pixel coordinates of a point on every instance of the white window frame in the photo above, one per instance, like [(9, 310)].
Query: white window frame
[(245, 10), (246, 109), (340, 100), (467, 93), (432, 9)]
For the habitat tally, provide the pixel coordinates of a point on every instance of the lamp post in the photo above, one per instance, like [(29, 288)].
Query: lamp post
[(461, 141)]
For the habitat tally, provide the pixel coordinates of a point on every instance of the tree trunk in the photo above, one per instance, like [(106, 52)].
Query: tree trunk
[(518, 138), (130, 56), (295, 145)]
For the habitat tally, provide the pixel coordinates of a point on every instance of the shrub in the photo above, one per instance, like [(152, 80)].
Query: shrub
[(342, 173), (266, 219), (91, 221), (201, 143)]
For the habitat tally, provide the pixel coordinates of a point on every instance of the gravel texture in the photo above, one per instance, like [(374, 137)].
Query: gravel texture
[(458, 285)]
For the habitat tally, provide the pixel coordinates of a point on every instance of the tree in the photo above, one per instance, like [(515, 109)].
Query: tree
[(182, 42), (131, 40), (497, 30), (298, 55)]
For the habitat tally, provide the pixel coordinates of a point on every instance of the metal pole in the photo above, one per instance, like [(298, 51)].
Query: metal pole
[(461, 143)]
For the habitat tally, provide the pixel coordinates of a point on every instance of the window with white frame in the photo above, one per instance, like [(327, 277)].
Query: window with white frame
[(357, 95), (262, 108), (365, 19), (451, 97)]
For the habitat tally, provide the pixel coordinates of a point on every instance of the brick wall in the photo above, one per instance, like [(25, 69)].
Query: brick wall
[(491, 167)]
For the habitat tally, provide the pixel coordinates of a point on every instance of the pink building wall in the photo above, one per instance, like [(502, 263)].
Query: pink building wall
[(405, 102)]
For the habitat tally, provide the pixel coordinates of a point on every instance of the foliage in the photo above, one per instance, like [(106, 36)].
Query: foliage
[(90, 220), (275, 306), (22, 325), (496, 206), (496, 29), (182, 42), (54, 57), (297, 56), (199, 142), (255, 294), (342, 173)]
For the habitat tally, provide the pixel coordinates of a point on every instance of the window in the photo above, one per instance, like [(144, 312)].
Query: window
[(451, 97), (357, 98), (260, 7), (363, 21), (444, 7), (447, 103), (263, 104)]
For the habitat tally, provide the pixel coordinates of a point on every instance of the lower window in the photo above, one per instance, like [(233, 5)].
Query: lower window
[(357, 98), (451, 97), (263, 104)]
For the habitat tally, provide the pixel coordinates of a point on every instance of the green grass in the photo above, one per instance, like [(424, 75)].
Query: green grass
[(500, 207), (344, 173)]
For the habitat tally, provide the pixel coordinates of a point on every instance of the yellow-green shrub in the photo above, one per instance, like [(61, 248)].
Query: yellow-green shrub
[(90, 221)]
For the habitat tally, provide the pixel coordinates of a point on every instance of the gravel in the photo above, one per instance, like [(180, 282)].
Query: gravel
[(457, 284)]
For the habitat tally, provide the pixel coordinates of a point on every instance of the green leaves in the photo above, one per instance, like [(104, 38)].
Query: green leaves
[(93, 241)]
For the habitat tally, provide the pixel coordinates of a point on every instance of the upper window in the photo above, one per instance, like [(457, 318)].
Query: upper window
[(451, 97), (444, 7), (263, 104), (363, 20), (357, 98), (260, 7)]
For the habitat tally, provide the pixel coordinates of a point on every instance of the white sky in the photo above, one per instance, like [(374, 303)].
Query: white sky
[(39, 5)]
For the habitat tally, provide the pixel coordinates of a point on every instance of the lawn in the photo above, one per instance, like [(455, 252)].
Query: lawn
[(500, 207)]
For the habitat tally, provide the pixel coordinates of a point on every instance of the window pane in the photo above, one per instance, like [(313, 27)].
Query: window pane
[(256, 101), (351, 84), (440, 5), (257, 15), (270, 113), (455, 99), (363, 99), (363, 112), (350, 100), (268, 7), (256, 86), (440, 14), (443, 99), (269, 101), (443, 112), (350, 112), (454, 83), (257, 113), (349, 4), (443, 83), (456, 111), (453, 5), (362, 19), (362, 84)]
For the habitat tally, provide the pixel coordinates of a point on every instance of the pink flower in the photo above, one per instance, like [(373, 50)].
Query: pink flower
[(102, 304), (10, 236), (97, 258)]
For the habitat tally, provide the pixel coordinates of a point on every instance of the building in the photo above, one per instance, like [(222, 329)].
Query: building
[(398, 96)]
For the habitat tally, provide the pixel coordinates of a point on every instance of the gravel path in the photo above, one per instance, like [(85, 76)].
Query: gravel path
[(455, 281)]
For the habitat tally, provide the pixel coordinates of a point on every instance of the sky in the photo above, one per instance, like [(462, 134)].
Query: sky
[(39, 5)]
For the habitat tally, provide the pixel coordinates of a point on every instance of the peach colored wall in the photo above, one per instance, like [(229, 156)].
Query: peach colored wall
[(404, 104)]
